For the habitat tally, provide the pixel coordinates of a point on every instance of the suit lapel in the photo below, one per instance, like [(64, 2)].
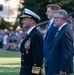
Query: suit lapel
[(56, 37), (49, 30)]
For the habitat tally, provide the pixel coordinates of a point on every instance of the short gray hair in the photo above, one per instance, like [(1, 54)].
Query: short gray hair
[(63, 13)]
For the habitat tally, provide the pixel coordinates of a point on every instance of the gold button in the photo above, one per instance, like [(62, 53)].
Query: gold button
[(34, 64), (22, 66), (22, 60), (22, 53)]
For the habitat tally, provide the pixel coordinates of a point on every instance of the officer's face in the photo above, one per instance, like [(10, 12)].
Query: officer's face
[(26, 23)]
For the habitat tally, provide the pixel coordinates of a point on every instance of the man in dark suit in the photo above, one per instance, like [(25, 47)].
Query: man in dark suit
[(60, 59), (51, 8), (32, 45)]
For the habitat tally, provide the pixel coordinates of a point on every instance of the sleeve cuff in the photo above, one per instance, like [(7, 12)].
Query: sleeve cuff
[(36, 70)]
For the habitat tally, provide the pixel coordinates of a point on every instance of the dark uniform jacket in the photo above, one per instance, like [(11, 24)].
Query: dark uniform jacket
[(61, 52), (32, 54)]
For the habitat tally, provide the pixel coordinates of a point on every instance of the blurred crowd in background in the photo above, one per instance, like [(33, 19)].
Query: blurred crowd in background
[(11, 40)]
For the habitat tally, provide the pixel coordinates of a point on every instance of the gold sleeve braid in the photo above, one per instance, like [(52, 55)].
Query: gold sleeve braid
[(36, 70)]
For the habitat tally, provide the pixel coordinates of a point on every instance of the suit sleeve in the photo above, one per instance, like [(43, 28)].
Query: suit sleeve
[(67, 47)]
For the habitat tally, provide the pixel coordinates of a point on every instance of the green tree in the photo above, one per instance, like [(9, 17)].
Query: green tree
[(65, 4), (4, 24), (39, 6)]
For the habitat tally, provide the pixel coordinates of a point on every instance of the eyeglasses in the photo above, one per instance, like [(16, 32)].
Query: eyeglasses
[(57, 17)]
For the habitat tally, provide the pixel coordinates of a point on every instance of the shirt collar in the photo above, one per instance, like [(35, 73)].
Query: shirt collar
[(62, 26), (28, 32), (51, 21)]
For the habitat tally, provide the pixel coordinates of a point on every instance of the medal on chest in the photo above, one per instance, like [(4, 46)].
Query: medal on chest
[(27, 45)]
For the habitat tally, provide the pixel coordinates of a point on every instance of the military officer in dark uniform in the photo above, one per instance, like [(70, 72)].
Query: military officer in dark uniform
[(32, 46)]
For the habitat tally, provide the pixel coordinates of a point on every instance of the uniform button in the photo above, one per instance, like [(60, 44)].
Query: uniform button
[(22, 66), (22, 53), (34, 64), (22, 60)]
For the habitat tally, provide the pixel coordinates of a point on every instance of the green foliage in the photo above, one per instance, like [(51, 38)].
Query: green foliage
[(65, 4), (39, 6), (4, 24)]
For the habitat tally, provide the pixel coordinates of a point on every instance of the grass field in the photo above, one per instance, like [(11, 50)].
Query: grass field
[(10, 63)]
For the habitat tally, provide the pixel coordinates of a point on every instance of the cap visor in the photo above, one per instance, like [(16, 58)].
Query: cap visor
[(25, 16)]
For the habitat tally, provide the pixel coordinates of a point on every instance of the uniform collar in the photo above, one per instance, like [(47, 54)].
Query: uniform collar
[(28, 32), (51, 21)]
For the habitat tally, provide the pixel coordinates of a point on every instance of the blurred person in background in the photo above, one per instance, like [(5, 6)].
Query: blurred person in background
[(5, 41), (70, 17), (1, 40), (71, 22)]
